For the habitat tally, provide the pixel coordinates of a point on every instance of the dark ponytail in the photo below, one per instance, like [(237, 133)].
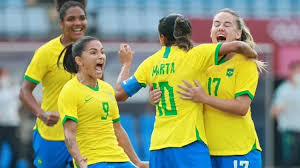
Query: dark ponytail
[(73, 50), (63, 5), (69, 63), (166, 28), (182, 33)]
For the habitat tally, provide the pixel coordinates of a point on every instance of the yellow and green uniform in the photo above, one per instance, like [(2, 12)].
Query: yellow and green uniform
[(177, 122), (230, 134), (43, 69), (94, 110)]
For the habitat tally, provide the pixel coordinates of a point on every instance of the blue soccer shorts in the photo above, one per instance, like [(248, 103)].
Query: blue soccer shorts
[(112, 165), (250, 160), (50, 154), (194, 155)]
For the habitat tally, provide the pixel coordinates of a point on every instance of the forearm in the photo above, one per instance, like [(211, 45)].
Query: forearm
[(231, 106), (70, 141), (30, 102), (124, 142), (246, 50), (120, 94), (238, 47)]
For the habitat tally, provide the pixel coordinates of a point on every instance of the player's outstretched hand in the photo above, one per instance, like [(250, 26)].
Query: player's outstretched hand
[(189, 92), (125, 54), (154, 95), (143, 164), (50, 118)]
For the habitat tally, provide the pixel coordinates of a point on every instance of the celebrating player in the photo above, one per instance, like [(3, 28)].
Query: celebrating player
[(178, 138), (48, 137)]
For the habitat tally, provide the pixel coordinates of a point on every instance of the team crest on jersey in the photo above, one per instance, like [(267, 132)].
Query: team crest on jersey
[(229, 72)]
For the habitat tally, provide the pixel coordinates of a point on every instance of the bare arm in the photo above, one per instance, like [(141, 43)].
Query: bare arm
[(70, 141), (238, 47), (238, 106), (27, 98), (125, 55), (124, 142)]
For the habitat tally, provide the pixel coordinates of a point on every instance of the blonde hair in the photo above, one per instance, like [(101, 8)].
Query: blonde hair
[(245, 35)]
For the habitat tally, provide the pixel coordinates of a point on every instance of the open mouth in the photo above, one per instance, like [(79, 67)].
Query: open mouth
[(221, 38), (77, 30), (99, 67)]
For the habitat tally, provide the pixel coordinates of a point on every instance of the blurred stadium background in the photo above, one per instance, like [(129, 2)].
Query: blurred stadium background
[(27, 24)]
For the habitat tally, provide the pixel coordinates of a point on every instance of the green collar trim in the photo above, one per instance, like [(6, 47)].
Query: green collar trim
[(222, 60), (94, 89), (167, 52), (217, 53)]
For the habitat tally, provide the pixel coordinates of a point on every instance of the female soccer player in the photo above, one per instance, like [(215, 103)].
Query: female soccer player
[(178, 138), (48, 136), (90, 112), (230, 88)]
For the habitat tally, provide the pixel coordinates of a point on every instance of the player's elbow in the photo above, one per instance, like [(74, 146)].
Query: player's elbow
[(121, 96), (22, 94), (242, 111)]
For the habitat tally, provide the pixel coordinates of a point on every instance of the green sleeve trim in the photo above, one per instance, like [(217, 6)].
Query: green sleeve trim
[(244, 92), (217, 53), (31, 80), (116, 120), (167, 52), (69, 117), (143, 85)]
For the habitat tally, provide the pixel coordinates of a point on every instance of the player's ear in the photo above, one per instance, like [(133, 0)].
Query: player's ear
[(162, 39), (78, 60), (61, 24)]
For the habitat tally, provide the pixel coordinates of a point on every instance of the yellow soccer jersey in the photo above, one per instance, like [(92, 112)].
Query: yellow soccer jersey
[(229, 134), (94, 110), (177, 122), (43, 68)]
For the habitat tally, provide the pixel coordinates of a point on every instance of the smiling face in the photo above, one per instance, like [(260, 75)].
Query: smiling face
[(92, 60), (73, 24), (224, 28)]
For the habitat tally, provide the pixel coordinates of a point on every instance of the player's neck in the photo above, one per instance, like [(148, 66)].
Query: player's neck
[(64, 41), (87, 80)]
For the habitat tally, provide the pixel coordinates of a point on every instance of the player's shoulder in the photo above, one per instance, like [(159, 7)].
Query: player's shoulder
[(205, 46), (71, 85), (104, 85), (50, 45), (241, 59)]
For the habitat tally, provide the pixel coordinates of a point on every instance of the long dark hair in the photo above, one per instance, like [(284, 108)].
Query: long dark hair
[(177, 29), (183, 32), (63, 5), (71, 51)]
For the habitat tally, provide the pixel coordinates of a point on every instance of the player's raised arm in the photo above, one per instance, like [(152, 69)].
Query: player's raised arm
[(125, 54), (238, 47)]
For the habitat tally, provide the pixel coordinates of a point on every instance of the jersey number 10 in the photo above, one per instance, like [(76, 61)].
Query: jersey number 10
[(162, 105)]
